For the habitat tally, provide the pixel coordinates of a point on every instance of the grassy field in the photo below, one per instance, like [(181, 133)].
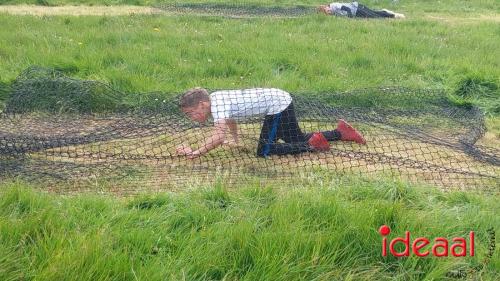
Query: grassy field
[(150, 53), (172, 53), (320, 230), (411, 7)]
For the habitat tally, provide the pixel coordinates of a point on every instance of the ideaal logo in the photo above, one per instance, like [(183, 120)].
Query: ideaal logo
[(460, 247)]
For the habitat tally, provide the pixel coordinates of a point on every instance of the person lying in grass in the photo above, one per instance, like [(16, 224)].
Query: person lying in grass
[(356, 10), (280, 122)]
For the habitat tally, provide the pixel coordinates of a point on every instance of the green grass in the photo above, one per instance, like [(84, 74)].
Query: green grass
[(315, 53), (413, 7), (311, 53), (319, 231)]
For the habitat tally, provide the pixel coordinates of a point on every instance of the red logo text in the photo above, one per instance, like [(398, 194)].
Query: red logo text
[(440, 247)]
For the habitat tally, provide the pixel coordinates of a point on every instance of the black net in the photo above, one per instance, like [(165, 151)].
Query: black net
[(264, 10), (74, 135), (237, 10)]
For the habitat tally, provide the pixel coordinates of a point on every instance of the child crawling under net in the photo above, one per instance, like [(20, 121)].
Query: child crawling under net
[(280, 122), (356, 10)]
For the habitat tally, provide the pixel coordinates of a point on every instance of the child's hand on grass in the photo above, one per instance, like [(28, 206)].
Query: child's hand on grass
[(194, 154), (184, 150), (187, 151)]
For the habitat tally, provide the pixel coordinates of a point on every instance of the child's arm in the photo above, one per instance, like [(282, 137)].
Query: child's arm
[(233, 129), (217, 138)]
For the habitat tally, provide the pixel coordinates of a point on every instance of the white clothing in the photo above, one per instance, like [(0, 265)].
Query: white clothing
[(238, 104)]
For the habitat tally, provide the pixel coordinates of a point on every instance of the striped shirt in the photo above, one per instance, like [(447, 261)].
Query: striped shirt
[(238, 104), (344, 9)]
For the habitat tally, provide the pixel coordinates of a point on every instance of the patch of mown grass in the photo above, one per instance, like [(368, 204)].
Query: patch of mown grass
[(321, 232)]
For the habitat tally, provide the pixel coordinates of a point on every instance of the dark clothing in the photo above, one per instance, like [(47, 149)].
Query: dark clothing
[(284, 126), (347, 11), (365, 12)]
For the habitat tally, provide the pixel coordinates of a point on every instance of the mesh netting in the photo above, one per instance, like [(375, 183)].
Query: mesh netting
[(74, 135), (237, 10), (262, 10)]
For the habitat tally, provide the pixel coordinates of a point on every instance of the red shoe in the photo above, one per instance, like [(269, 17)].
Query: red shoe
[(319, 142), (348, 133)]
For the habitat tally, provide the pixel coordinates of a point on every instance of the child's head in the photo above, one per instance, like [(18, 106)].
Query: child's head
[(325, 9), (195, 103)]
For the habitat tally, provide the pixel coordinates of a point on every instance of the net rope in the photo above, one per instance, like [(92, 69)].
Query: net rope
[(239, 10), (72, 135), (236, 10)]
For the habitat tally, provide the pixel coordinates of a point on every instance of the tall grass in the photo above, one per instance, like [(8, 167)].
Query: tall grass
[(316, 53), (317, 231), (147, 53)]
